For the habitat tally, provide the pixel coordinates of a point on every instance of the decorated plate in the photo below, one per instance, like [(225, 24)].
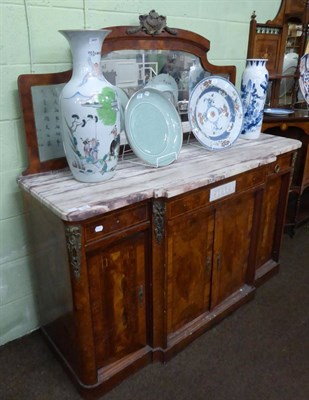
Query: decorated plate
[(215, 113), (165, 83), (304, 76), (278, 111), (153, 127)]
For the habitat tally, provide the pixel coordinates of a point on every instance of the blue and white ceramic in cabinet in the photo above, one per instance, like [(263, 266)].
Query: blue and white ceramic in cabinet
[(253, 91), (90, 111), (304, 76)]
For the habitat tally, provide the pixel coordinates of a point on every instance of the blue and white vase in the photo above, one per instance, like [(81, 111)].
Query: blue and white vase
[(90, 111), (253, 91)]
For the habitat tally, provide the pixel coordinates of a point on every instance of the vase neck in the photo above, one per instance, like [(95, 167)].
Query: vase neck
[(86, 48), (256, 62)]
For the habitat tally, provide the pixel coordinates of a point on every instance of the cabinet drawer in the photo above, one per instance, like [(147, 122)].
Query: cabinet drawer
[(115, 221), (201, 197), (282, 163)]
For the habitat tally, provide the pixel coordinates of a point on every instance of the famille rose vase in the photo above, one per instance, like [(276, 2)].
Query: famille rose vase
[(253, 91), (90, 111)]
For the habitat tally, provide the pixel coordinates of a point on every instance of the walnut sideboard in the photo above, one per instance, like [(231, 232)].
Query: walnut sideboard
[(132, 270)]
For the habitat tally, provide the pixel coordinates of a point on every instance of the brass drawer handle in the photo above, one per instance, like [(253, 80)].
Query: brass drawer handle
[(277, 168)]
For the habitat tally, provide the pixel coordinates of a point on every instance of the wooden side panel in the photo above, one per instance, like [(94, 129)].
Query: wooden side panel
[(295, 6), (272, 222), (118, 292), (62, 297), (269, 221)]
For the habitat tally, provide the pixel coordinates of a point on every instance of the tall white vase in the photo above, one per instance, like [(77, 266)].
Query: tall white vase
[(89, 111), (253, 91)]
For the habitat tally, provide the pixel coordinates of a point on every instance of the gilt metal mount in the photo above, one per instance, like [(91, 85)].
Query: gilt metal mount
[(158, 209), (73, 237), (152, 24)]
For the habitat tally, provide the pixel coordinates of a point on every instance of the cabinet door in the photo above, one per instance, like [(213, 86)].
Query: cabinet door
[(272, 221), (117, 280), (189, 253), (234, 230)]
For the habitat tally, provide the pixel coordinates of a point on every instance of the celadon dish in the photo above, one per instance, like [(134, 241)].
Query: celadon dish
[(153, 127)]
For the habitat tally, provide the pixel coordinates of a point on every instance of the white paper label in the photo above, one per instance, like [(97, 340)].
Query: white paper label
[(222, 190), (93, 40)]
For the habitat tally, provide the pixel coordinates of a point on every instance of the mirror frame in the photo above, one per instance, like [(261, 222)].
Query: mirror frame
[(25, 83), (183, 40), (120, 38)]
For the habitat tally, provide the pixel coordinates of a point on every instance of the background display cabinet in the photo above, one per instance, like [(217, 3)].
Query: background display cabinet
[(283, 41), (295, 126)]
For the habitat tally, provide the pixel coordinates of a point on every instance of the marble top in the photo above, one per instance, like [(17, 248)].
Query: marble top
[(134, 181)]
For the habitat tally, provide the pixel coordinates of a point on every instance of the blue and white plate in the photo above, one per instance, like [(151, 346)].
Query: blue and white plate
[(278, 111), (215, 113), (153, 127), (304, 76)]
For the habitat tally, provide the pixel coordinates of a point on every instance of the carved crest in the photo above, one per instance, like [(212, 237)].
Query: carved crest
[(152, 24)]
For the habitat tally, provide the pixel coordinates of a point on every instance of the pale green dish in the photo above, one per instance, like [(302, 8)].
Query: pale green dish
[(153, 127)]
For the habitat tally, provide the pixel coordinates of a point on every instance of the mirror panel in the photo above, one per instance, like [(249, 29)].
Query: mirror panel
[(131, 70)]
